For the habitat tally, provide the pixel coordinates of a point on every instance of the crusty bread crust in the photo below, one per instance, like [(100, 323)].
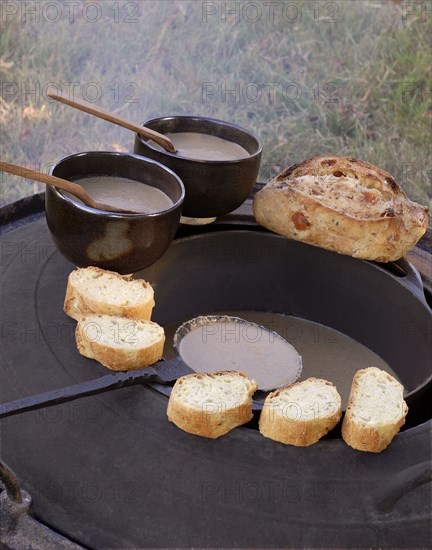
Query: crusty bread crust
[(209, 423), (383, 226), (375, 438), (371, 439), (300, 432), (115, 358), (77, 304)]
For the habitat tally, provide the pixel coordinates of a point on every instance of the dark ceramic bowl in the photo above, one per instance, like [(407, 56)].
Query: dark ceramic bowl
[(119, 242), (213, 187)]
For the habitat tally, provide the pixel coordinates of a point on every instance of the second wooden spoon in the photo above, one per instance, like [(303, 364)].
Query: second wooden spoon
[(73, 188), (160, 139)]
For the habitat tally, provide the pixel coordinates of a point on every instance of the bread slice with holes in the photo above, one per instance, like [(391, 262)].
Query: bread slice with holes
[(302, 413), (344, 205), (210, 405), (94, 290), (376, 410), (120, 343)]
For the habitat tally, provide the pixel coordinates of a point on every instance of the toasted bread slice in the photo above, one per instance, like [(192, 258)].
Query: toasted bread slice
[(210, 405), (302, 413), (120, 343), (94, 290), (342, 204), (376, 410)]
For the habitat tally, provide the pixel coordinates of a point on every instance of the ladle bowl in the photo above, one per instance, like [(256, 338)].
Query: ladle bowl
[(212, 343)]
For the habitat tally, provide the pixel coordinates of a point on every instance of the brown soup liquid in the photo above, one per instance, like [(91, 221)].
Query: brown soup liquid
[(326, 353), (204, 146), (241, 346), (124, 193)]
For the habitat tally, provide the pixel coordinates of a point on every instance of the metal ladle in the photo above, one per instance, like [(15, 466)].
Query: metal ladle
[(163, 372)]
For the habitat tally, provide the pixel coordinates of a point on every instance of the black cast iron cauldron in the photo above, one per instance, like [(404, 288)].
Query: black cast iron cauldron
[(110, 471)]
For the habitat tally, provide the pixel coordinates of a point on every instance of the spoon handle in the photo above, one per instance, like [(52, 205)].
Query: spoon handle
[(73, 188), (162, 140)]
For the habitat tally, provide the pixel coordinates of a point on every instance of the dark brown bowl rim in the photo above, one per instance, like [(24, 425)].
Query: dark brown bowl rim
[(97, 212), (145, 142)]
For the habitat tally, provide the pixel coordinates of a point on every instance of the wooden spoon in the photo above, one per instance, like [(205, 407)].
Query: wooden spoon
[(160, 139), (73, 188)]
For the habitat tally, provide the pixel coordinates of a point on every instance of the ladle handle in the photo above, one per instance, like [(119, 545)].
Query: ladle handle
[(162, 140), (73, 188), (162, 372)]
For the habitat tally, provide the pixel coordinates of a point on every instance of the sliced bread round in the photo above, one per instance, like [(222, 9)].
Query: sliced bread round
[(302, 413), (376, 410), (120, 343), (211, 404), (94, 290)]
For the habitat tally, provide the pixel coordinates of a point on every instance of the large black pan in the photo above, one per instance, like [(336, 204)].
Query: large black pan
[(213, 274), (381, 306), (111, 471)]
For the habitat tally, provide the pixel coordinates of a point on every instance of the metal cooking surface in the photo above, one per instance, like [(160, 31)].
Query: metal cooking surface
[(110, 470)]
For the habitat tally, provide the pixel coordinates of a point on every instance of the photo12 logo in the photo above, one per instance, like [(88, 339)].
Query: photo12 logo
[(269, 93), (29, 253), (270, 492), (88, 491), (35, 92), (416, 11), (415, 91), (69, 10), (416, 171), (252, 12)]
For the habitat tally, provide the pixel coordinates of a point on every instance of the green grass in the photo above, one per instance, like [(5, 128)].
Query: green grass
[(356, 86)]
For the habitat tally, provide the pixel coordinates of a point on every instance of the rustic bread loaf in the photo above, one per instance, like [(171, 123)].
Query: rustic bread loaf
[(376, 410), (302, 413), (94, 290), (210, 405), (120, 343), (342, 204)]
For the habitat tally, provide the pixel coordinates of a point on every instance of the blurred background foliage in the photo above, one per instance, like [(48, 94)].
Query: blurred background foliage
[(309, 78)]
